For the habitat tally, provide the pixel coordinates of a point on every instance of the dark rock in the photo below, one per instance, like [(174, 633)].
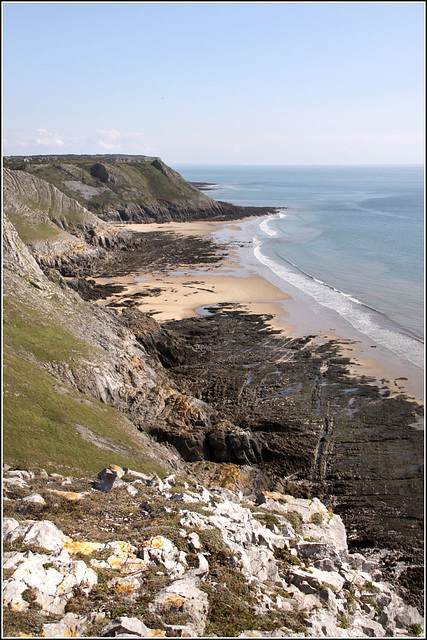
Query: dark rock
[(106, 480)]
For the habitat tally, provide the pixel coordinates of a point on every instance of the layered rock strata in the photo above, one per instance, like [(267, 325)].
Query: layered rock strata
[(120, 189)]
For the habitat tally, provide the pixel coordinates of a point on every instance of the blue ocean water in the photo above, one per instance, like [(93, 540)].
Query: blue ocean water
[(351, 238)]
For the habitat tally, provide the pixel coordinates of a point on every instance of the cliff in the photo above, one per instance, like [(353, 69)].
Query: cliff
[(60, 232), (186, 531), (67, 347), (128, 188)]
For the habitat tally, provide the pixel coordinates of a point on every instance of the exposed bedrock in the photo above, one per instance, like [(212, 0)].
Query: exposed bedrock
[(196, 209), (291, 408), (224, 388)]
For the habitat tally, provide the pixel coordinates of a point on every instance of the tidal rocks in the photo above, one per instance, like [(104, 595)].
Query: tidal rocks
[(286, 403)]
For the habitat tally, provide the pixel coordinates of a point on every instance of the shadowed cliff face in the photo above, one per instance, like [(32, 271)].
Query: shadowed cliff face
[(131, 189)]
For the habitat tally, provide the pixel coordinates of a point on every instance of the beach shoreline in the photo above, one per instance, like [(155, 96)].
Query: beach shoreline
[(322, 416), (187, 292)]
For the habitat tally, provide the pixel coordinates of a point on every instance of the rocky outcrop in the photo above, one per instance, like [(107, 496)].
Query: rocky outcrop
[(59, 231), (119, 370), (228, 567)]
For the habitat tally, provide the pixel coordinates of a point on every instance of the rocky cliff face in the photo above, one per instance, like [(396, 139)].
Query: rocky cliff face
[(116, 367), (139, 190), (59, 231)]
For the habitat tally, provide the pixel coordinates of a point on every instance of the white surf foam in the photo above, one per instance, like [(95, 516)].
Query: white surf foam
[(265, 226), (281, 213), (360, 316)]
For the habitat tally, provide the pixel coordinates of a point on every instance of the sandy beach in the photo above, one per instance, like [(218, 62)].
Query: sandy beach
[(177, 294)]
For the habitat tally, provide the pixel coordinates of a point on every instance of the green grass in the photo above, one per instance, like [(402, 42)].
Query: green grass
[(29, 232), (38, 425), (342, 621), (150, 183), (29, 329), (267, 519), (295, 519), (415, 629), (39, 419), (30, 622)]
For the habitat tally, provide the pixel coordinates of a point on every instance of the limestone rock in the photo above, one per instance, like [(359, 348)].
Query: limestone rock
[(123, 625), (12, 595), (123, 558), (194, 520), (194, 541), (185, 599), (35, 498), (70, 626), (137, 474), (365, 627), (9, 525), (317, 579), (15, 482), (71, 496), (163, 552), (52, 585), (43, 533), (24, 475)]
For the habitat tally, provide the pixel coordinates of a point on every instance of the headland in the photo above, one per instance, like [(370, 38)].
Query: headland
[(189, 358)]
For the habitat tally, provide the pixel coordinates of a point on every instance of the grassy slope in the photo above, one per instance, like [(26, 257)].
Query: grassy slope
[(40, 412), (144, 185), (42, 212), (33, 232)]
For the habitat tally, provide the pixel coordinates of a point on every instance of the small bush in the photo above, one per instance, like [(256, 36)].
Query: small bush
[(267, 519), (288, 559), (296, 520), (317, 518), (368, 586), (342, 621), (415, 629)]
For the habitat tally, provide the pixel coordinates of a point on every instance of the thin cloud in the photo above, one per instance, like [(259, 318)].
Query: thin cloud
[(43, 140), (119, 140), (40, 138)]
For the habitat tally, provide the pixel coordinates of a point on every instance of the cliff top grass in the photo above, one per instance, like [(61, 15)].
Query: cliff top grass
[(135, 180), (12, 161)]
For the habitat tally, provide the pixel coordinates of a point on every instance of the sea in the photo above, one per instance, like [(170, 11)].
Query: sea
[(348, 239)]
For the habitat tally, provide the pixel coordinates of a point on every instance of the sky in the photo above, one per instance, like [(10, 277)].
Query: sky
[(216, 83)]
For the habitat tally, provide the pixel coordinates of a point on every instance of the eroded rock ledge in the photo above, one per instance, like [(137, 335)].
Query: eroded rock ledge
[(171, 558)]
